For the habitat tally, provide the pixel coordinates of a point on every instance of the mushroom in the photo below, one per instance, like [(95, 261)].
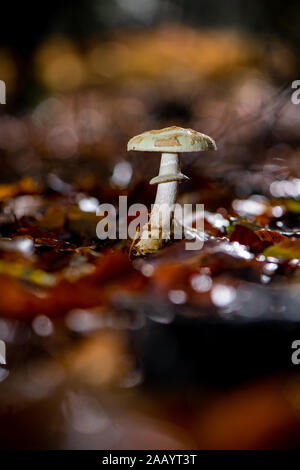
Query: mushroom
[(169, 141)]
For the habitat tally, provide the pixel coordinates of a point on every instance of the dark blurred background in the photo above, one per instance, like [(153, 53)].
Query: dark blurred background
[(26, 25)]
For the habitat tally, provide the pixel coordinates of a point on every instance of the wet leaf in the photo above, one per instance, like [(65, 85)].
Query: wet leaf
[(270, 236), (246, 236), (288, 249)]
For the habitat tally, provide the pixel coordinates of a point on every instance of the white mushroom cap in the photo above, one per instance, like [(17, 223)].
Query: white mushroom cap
[(172, 139)]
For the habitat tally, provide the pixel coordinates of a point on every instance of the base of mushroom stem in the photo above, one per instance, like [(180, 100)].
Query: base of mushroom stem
[(151, 241)]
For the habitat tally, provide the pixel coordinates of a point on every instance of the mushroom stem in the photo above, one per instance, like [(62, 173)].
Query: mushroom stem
[(166, 194), (153, 237), (169, 164)]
